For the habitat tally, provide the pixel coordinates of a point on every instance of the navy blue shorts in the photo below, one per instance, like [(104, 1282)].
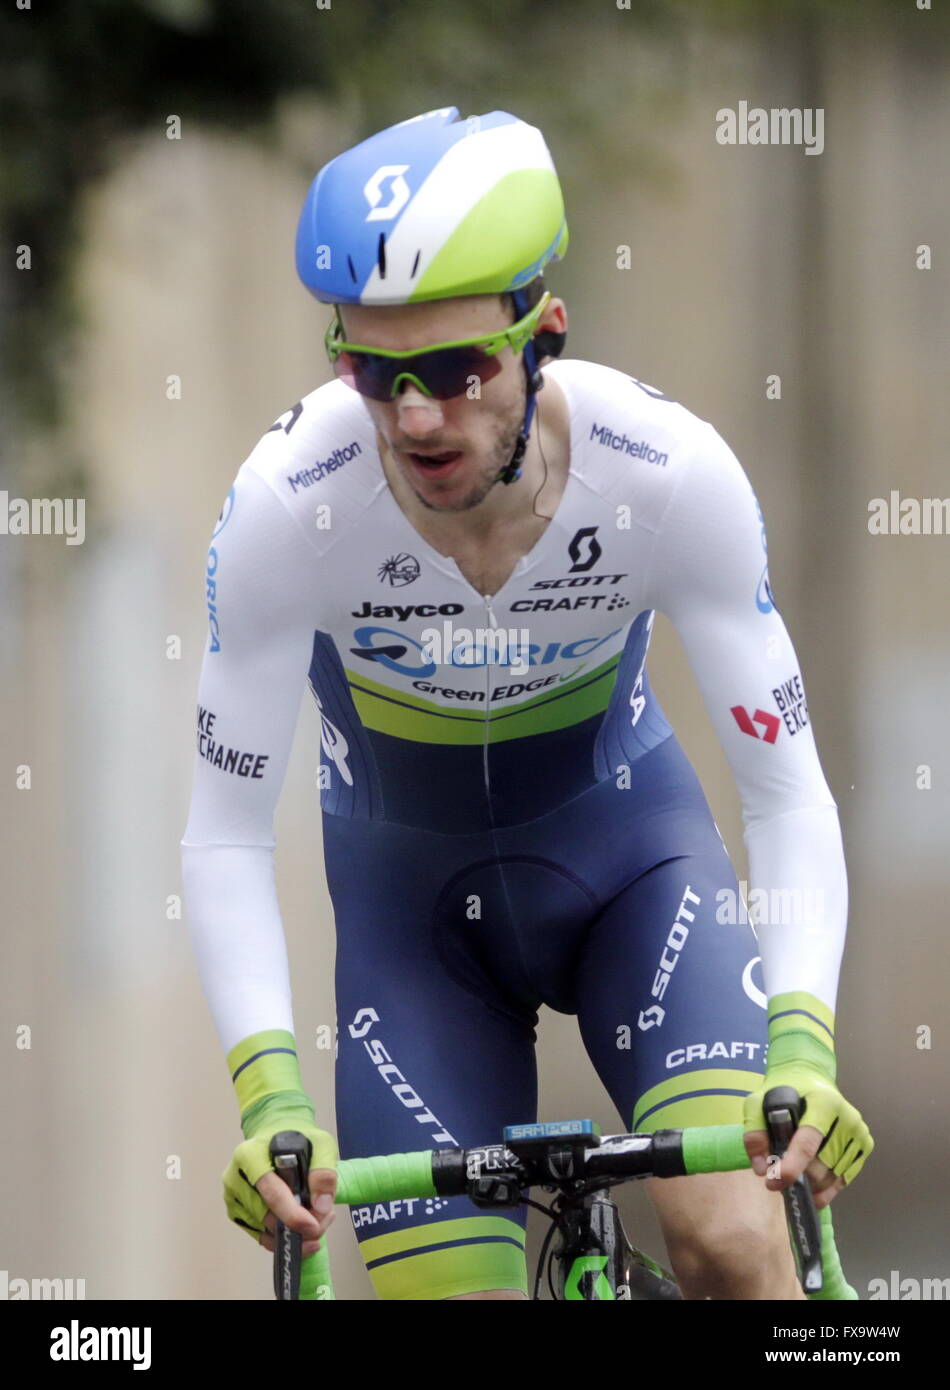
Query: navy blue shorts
[(621, 907)]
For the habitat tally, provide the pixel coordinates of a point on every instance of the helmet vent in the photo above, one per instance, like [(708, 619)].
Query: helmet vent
[(381, 256), (352, 271), (415, 264)]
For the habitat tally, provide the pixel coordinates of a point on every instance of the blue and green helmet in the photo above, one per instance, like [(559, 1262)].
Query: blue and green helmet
[(434, 207)]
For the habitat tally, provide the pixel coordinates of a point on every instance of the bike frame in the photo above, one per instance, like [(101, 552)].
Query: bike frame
[(595, 1260)]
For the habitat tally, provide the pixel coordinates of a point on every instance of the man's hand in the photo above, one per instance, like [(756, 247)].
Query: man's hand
[(798, 1158), (284, 1207), (831, 1127), (256, 1196)]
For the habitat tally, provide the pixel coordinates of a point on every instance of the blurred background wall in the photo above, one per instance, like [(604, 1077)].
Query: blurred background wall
[(173, 258)]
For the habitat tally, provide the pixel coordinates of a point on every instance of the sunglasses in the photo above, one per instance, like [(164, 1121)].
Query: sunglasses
[(442, 370)]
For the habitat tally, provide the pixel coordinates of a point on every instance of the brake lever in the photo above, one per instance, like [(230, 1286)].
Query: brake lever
[(290, 1154), (783, 1108)]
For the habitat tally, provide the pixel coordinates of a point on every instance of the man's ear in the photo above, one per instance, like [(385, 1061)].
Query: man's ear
[(548, 344)]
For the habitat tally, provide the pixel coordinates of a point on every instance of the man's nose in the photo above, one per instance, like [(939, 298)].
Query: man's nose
[(418, 414)]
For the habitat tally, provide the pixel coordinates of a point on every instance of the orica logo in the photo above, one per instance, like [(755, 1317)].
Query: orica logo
[(399, 192), (224, 515), (389, 653), (763, 594), (211, 596), (334, 744), (751, 988)]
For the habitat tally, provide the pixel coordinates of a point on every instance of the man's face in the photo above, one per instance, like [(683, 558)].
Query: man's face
[(480, 433)]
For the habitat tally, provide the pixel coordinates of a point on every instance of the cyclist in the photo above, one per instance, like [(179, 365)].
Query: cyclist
[(461, 542)]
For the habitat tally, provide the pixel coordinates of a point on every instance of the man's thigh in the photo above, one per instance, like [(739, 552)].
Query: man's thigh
[(673, 1016), (424, 1064), (671, 1008)]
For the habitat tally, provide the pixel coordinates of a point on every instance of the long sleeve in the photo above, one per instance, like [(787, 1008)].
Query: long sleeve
[(709, 576), (260, 593)]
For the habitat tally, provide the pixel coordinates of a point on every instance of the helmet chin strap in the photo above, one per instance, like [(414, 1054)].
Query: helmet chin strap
[(512, 468)]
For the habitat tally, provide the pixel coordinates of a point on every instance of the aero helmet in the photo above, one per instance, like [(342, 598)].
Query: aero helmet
[(434, 208)]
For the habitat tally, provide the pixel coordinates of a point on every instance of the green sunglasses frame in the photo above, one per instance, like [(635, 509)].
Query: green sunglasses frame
[(514, 337)]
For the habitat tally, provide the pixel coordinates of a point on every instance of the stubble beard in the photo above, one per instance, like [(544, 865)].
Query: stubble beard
[(500, 456)]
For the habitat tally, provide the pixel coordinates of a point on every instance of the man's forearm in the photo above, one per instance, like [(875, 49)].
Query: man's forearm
[(798, 893), (234, 921)]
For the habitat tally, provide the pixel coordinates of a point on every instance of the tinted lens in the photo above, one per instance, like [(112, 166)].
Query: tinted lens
[(366, 373), (446, 373), (450, 372)]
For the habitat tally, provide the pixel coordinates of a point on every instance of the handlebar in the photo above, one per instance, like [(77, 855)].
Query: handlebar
[(665, 1153)]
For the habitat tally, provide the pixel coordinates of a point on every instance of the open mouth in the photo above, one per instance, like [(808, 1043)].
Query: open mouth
[(434, 463)]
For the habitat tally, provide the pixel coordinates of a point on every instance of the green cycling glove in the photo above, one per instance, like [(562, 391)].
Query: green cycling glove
[(801, 1054), (266, 1076)]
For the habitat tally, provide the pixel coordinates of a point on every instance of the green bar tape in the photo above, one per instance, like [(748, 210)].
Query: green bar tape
[(834, 1284), (315, 1281), (714, 1149), (386, 1178)]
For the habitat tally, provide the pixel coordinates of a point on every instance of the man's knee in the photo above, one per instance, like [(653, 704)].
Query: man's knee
[(726, 1236), (733, 1261)]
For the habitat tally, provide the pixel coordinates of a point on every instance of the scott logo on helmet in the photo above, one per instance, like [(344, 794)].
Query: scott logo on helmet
[(399, 193)]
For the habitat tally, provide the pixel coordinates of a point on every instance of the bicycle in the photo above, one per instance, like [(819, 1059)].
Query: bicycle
[(588, 1254)]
